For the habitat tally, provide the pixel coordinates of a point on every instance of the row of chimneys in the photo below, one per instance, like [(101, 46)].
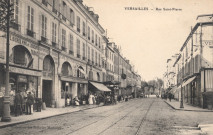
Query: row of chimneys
[(95, 16)]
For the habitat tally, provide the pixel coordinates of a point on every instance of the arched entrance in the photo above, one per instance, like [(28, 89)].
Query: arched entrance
[(66, 85), (48, 78)]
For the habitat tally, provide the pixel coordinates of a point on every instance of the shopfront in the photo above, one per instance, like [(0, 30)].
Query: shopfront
[(21, 81)]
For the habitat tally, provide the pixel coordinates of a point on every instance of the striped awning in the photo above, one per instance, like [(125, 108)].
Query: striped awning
[(188, 81), (100, 86)]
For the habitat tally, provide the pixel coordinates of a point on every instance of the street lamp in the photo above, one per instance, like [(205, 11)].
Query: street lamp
[(181, 99), (6, 104)]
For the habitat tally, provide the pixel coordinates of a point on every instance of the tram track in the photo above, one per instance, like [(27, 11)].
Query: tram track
[(138, 130), (119, 110), (144, 118)]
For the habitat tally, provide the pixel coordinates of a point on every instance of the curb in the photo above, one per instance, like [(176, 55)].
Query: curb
[(21, 122), (187, 109)]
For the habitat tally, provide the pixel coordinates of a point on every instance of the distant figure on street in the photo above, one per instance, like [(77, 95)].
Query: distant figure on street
[(76, 100), (170, 97), (90, 99)]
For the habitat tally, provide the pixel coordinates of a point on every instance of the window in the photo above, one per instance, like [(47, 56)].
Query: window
[(44, 26), (99, 59), (78, 48), (64, 11), (88, 32), (54, 27), (92, 36), (96, 40), (14, 24), (63, 40), (71, 44), (30, 18), (96, 58), (84, 29), (84, 50), (99, 42), (88, 53), (78, 24), (16, 9), (72, 17), (92, 56)]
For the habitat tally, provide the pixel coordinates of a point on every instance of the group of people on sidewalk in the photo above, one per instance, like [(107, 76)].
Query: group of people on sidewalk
[(21, 102), (96, 98)]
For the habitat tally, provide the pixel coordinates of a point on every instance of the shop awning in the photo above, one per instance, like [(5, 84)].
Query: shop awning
[(188, 81), (173, 90), (100, 86)]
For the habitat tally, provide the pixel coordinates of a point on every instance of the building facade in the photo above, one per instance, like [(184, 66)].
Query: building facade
[(56, 47), (193, 65)]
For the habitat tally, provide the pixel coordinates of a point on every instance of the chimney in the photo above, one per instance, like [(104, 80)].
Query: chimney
[(96, 17)]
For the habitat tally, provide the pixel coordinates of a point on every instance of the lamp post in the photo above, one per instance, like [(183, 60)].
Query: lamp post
[(181, 99), (6, 104)]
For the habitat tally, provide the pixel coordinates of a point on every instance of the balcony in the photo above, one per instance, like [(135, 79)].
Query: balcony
[(63, 18), (71, 24), (78, 56), (63, 48), (71, 52), (54, 11), (44, 2), (15, 26), (54, 44), (30, 33), (43, 39), (78, 29)]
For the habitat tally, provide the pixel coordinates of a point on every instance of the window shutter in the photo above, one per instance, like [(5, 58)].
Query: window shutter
[(57, 5)]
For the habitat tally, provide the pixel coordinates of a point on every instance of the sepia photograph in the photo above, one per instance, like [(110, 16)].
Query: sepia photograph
[(106, 67)]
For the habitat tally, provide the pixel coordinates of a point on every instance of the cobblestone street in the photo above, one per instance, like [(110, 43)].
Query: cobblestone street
[(138, 116)]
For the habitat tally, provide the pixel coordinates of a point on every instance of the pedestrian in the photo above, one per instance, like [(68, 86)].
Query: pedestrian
[(90, 99), (76, 100), (170, 97), (18, 102), (30, 101)]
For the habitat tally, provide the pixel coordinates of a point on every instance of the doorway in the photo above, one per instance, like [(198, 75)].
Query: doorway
[(47, 92)]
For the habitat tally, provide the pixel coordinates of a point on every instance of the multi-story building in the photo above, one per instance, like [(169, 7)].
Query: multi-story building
[(194, 63), (110, 61), (56, 48)]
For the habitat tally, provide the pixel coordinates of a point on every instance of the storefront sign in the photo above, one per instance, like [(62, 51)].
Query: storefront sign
[(24, 71), (22, 78), (207, 43)]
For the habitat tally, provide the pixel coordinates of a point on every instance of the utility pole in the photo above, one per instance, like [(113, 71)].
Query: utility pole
[(6, 104)]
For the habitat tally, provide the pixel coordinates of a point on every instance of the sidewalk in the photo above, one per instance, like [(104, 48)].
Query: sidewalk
[(49, 112), (176, 105), (206, 128)]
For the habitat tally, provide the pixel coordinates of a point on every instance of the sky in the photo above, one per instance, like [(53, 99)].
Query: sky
[(149, 37)]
